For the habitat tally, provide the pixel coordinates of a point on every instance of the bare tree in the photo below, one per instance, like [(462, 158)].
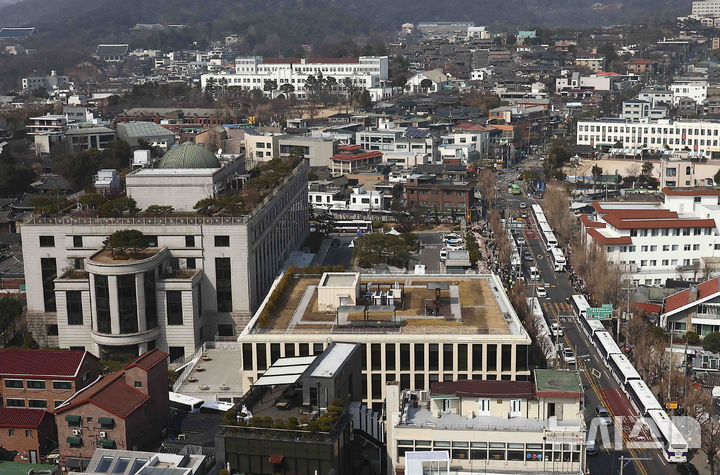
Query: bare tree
[(502, 243), (556, 204), (699, 405), (487, 181), (648, 350)]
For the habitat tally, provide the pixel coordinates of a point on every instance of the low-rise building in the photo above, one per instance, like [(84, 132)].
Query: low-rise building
[(676, 239), (696, 309), (126, 410), (516, 426), (85, 138), (442, 197), (111, 53), (692, 88), (29, 432), (46, 82), (352, 159), (43, 379), (153, 134), (132, 462), (593, 63)]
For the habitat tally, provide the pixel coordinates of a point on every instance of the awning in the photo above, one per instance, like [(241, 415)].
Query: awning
[(107, 443), (73, 419), (74, 440), (106, 421), (276, 459)]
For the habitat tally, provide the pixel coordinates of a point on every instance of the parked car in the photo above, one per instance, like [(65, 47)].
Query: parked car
[(520, 239), (454, 247), (443, 255), (523, 205), (541, 292), (527, 256), (602, 413), (569, 356), (556, 330)]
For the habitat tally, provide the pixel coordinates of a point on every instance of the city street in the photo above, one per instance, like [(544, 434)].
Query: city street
[(600, 387)]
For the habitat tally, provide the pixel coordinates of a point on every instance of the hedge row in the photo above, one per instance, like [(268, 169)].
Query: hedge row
[(277, 299)]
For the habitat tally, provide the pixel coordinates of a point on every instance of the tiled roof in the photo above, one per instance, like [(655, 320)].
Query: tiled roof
[(682, 298), (111, 50), (602, 239), (149, 359), (588, 223), (619, 222), (648, 307), (356, 156), (41, 363), (691, 191), (12, 417), (110, 393), (478, 388)]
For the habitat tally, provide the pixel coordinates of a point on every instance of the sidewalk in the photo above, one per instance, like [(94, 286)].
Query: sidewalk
[(699, 459)]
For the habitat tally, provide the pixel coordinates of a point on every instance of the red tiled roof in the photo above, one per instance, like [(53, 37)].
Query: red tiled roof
[(641, 61), (42, 363), (148, 359), (588, 223), (701, 191), (602, 239), (110, 393), (21, 418), (478, 388), (357, 156), (473, 127), (648, 307), (608, 73), (682, 298), (619, 222)]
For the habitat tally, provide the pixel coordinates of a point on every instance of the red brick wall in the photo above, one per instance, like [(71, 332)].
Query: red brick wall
[(40, 440), (90, 431)]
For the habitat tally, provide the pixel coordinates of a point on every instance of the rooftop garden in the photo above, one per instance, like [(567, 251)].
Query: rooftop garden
[(323, 423), (264, 178)]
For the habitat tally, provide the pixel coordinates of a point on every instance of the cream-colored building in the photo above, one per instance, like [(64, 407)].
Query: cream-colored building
[(415, 329), (513, 426), (201, 276)]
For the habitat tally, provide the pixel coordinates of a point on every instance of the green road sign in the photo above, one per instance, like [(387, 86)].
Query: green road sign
[(600, 313)]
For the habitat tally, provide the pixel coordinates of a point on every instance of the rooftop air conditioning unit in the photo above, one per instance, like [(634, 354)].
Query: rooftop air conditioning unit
[(76, 432), (103, 434)]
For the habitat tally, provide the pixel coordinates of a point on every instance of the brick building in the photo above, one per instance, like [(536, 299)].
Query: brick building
[(127, 410), (29, 432), (444, 197), (352, 159), (43, 379)]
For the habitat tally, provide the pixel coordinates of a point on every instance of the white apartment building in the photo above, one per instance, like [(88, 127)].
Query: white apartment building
[(405, 146), (46, 82), (706, 8), (676, 239), (363, 199), (475, 334), (638, 109), (251, 72), (200, 277), (480, 140), (698, 137), (504, 426), (695, 89), (656, 97), (695, 309)]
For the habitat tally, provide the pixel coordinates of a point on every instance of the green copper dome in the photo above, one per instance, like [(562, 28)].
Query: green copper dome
[(189, 155)]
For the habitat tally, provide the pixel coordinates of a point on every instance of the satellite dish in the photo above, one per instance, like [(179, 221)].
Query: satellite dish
[(219, 151)]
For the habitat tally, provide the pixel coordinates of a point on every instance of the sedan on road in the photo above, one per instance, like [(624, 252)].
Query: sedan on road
[(523, 205), (603, 415), (569, 356), (527, 256), (541, 292), (520, 240)]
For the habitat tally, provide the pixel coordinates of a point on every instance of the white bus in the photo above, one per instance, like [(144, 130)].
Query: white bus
[(558, 259), (623, 369), (592, 326), (544, 227), (352, 226), (675, 447), (642, 397), (185, 403), (606, 346), (550, 241), (216, 406), (581, 305)]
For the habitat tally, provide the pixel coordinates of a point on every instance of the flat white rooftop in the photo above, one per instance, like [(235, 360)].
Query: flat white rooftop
[(333, 359)]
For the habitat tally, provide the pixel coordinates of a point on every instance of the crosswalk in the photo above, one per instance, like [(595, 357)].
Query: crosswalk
[(556, 308)]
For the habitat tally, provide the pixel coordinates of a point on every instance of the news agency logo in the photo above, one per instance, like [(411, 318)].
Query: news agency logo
[(642, 433)]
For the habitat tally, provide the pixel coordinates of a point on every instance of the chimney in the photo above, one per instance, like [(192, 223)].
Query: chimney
[(693, 296)]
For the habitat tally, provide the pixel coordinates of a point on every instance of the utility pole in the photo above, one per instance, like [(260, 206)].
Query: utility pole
[(626, 460)]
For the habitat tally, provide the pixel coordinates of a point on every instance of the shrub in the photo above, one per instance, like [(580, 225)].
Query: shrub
[(711, 342), (292, 423), (279, 424), (691, 337), (230, 417)]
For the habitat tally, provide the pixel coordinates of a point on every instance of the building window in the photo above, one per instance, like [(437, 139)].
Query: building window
[(47, 241), (48, 269), (15, 402), (223, 283), (127, 304), (77, 241), (222, 241), (62, 385), (174, 307), (35, 384), (138, 384), (190, 263), (14, 383), (189, 241), (73, 300), (484, 406), (11, 432), (37, 403), (102, 303), (515, 407), (176, 352), (150, 299), (78, 263), (52, 329)]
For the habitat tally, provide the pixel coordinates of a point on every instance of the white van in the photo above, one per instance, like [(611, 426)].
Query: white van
[(534, 273)]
